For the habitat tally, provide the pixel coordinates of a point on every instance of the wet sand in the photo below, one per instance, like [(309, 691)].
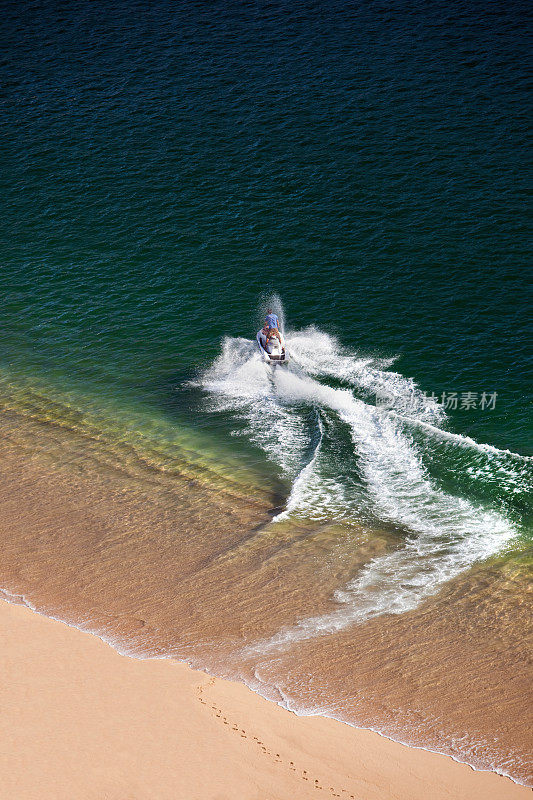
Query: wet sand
[(168, 565), (78, 719)]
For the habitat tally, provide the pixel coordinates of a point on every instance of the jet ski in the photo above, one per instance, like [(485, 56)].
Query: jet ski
[(275, 351)]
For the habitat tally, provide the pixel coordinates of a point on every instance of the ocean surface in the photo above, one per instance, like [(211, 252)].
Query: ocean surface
[(168, 172)]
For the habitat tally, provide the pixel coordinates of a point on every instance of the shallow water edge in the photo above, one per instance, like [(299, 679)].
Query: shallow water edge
[(120, 553)]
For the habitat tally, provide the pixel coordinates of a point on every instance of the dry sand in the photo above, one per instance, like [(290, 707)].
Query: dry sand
[(81, 721)]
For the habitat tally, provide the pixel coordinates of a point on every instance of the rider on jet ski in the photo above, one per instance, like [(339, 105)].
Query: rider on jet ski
[(270, 340), (271, 319), (272, 333), (271, 328)]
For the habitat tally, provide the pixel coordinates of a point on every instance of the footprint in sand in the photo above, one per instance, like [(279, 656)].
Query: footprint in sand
[(266, 751)]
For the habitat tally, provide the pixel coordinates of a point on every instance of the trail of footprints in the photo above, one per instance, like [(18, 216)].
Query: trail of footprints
[(304, 774)]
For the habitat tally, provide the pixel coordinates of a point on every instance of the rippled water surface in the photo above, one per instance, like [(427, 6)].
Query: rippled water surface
[(168, 172)]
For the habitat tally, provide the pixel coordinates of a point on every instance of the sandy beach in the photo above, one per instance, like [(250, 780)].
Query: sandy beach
[(80, 720)]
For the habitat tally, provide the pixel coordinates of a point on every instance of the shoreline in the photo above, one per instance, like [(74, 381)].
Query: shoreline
[(11, 599), (270, 748), (92, 547)]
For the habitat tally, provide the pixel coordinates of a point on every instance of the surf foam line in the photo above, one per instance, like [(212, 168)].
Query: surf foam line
[(316, 497), (256, 684), (321, 355), (466, 441), (444, 534)]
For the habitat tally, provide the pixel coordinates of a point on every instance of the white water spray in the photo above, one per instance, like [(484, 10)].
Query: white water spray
[(444, 535)]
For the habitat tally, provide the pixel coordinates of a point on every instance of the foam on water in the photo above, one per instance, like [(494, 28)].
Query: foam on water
[(320, 355), (241, 382), (443, 534)]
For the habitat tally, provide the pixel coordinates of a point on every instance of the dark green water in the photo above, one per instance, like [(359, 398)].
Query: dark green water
[(165, 169)]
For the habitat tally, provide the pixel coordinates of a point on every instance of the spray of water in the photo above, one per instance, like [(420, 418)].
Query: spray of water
[(443, 534), (271, 301)]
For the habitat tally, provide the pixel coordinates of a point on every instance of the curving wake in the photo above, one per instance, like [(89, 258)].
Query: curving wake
[(352, 461)]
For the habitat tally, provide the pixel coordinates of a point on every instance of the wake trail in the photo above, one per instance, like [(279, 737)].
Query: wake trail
[(444, 534)]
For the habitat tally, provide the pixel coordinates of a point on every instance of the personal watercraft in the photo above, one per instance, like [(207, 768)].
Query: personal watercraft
[(274, 351)]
